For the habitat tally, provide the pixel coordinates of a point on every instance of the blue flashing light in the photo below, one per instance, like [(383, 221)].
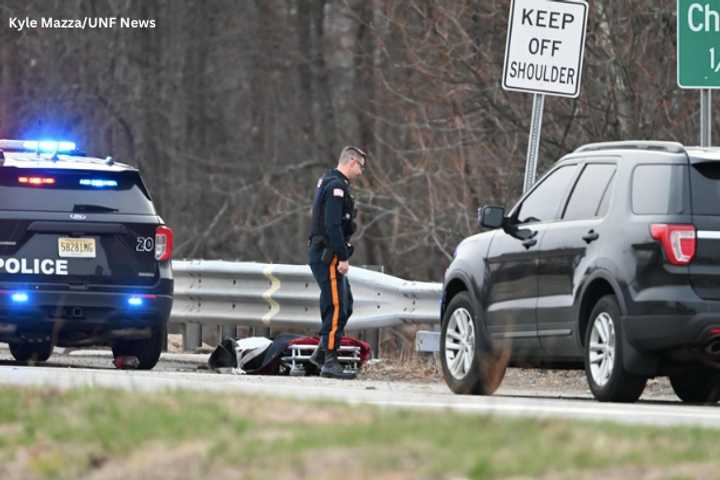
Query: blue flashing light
[(135, 301), (49, 146), (98, 183), (19, 297)]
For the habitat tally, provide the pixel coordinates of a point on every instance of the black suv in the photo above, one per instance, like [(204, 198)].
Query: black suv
[(610, 263), (84, 257)]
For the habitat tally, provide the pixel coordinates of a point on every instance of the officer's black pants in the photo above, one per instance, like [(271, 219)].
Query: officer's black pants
[(336, 300)]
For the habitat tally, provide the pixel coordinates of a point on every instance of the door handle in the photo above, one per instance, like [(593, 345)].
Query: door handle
[(591, 236), (530, 242)]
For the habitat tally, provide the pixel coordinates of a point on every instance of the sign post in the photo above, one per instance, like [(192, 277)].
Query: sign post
[(534, 141), (698, 55), (705, 117), (544, 56)]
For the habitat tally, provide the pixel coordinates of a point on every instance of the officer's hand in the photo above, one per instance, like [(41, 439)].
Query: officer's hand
[(343, 267)]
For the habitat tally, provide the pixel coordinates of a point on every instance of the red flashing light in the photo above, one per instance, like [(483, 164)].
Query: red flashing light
[(679, 242), (36, 181)]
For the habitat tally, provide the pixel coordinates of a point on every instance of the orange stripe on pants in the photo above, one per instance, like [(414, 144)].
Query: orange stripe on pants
[(335, 304)]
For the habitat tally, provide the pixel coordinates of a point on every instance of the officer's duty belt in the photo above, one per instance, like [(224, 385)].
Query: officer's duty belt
[(317, 241)]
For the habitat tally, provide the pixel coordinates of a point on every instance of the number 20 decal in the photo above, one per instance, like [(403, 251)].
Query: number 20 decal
[(145, 244)]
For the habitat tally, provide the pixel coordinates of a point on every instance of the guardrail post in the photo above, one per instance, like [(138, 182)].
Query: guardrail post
[(373, 338), (192, 337), (228, 331)]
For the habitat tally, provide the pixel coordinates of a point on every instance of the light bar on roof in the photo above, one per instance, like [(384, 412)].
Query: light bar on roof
[(50, 146), (39, 146)]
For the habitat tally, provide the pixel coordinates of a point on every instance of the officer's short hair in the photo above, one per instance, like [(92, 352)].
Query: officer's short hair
[(349, 152)]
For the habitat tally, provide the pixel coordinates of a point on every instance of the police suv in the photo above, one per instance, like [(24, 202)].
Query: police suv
[(610, 263), (84, 257)]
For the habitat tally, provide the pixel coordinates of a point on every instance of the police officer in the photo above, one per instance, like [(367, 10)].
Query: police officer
[(333, 223)]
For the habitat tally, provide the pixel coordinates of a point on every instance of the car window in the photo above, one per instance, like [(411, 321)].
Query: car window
[(543, 204), (588, 191), (705, 181), (659, 189), (76, 190), (605, 201)]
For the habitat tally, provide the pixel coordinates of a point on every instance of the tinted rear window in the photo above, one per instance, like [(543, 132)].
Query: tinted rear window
[(659, 189), (705, 183), (77, 190)]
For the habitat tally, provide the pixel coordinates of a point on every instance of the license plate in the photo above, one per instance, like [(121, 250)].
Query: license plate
[(76, 247)]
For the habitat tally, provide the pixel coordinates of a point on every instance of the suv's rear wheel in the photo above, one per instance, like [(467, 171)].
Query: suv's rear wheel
[(31, 352), (701, 385), (147, 350), (606, 375), (470, 366)]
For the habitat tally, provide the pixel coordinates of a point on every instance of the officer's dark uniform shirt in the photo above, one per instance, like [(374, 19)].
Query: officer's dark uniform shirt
[(333, 213)]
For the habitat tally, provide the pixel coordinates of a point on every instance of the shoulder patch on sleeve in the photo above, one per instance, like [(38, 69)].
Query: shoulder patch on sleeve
[(338, 192)]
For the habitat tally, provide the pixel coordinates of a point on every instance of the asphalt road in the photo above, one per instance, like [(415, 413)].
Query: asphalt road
[(178, 371)]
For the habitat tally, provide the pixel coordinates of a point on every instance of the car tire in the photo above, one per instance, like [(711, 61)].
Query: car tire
[(470, 364), (31, 352), (699, 385), (604, 368), (147, 350)]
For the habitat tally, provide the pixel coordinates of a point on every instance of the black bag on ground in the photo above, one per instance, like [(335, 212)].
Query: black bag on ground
[(263, 360), (224, 356)]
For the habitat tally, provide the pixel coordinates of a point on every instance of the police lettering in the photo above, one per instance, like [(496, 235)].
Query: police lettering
[(25, 266)]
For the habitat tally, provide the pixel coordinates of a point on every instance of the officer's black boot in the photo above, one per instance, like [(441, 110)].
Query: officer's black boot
[(318, 357), (332, 368)]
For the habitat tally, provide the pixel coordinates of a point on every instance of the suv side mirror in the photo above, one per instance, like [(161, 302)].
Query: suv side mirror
[(491, 217)]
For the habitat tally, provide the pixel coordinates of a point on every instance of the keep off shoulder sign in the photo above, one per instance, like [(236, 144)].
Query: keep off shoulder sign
[(545, 47)]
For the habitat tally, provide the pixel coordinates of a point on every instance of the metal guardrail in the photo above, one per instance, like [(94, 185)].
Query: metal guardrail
[(276, 295)]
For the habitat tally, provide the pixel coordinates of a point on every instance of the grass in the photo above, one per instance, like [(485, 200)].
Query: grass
[(48, 434)]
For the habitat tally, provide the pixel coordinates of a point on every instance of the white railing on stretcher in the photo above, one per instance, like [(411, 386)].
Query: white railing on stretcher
[(299, 358)]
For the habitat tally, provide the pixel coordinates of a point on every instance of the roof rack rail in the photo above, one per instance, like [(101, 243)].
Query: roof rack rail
[(670, 147)]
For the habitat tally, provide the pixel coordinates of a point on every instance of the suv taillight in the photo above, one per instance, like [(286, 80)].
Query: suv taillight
[(163, 243), (678, 241)]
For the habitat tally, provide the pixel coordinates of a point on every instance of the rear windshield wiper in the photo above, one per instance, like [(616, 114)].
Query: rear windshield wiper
[(89, 207)]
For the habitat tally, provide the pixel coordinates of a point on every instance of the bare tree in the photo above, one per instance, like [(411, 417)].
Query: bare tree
[(232, 110)]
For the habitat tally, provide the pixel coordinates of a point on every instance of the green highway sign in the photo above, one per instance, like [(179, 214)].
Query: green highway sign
[(698, 44)]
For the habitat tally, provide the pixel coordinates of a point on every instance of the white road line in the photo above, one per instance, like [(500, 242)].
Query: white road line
[(636, 414)]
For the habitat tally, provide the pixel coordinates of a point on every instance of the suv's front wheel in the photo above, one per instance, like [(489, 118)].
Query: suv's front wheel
[(147, 350), (469, 363), (604, 369)]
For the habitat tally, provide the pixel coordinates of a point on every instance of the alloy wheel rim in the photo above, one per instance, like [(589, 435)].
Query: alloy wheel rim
[(460, 343), (601, 350)]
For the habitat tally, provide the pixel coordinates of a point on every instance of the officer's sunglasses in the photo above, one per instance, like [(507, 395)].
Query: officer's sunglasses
[(360, 153)]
